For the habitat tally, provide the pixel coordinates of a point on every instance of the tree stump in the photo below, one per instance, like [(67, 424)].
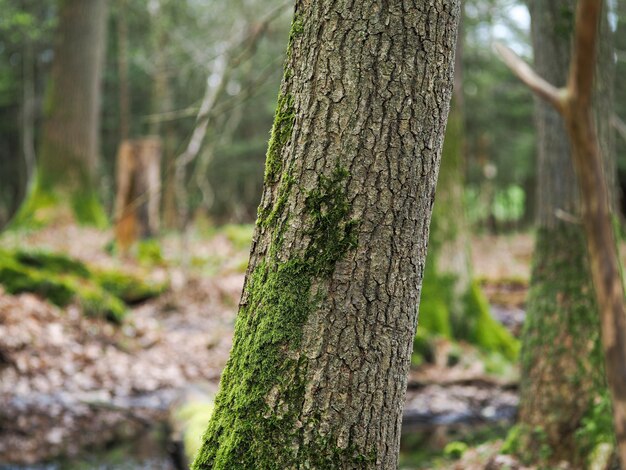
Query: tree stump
[(138, 190)]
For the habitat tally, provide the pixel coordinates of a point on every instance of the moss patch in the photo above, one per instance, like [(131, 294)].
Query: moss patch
[(62, 280), (45, 202), (563, 381), (255, 423), (281, 133), (474, 325)]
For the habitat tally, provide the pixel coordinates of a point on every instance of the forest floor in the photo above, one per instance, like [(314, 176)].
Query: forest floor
[(70, 383)]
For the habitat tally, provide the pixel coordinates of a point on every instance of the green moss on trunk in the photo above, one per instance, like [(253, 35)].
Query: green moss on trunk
[(452, 305), (46, 201), (562, 360), (262, 387), (473, 324)]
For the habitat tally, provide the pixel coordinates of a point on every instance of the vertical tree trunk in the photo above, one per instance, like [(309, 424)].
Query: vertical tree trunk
[(122, 66), (562, 360), (162, 102), (318, 370), (68, 151)]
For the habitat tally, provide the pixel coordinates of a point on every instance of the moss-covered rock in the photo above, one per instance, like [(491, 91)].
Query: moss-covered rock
[(17, 278), (127, 287), (62, 279)]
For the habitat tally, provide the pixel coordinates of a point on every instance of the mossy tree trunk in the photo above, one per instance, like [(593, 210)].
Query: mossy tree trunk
[(562, 358), (69, 146), (453, 304), (323, 340)]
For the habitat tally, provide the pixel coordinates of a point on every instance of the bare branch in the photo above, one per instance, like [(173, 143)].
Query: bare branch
[(528, 76), (580, 82)]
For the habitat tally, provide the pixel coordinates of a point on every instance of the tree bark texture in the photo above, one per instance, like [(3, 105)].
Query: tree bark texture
[(68, 152), (562, 360), (323, 340)]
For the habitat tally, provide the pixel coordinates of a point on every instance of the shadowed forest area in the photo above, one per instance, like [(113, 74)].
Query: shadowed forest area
[(267, 234)]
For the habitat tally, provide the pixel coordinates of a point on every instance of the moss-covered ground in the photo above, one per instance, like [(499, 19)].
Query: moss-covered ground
[(62, 279)]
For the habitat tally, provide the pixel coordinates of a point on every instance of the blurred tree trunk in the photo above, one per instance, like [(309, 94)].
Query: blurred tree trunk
[(318, 370), (453, 304), (69, 146), (562, 359), (162, 103), (122, 66)]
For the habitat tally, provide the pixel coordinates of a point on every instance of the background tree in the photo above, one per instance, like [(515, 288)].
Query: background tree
[(69, 148), (25, 33), (319, 364), (562, 358), (453, 304), (498, 140)]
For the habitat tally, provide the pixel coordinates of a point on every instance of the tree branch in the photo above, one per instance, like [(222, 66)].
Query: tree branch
[(528, 76)]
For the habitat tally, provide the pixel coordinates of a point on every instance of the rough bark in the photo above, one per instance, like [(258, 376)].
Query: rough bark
[(562, 360), (318, 370), (68, 151)]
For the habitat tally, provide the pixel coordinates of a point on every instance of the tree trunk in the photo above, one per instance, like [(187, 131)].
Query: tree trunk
[(68, 151), (122, 69), (453, 304), (323, 340), (562, 361)]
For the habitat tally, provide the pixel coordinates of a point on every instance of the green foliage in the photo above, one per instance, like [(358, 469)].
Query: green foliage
[(127, 287), (88, 210), (474, 324), (529, 444), (240, 235), (193, 418), (17, 278), (62, 280), (455, 449), (43, 206), (596, 427), (149, 253), (480, 328), (52, 262)]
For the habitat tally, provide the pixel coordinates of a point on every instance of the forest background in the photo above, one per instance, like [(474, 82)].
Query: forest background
[(204, 79)]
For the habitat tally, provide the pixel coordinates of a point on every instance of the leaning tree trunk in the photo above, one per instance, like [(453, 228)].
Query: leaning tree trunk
[(69, 146), (562, 359), (453, 304), (318, 370)]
